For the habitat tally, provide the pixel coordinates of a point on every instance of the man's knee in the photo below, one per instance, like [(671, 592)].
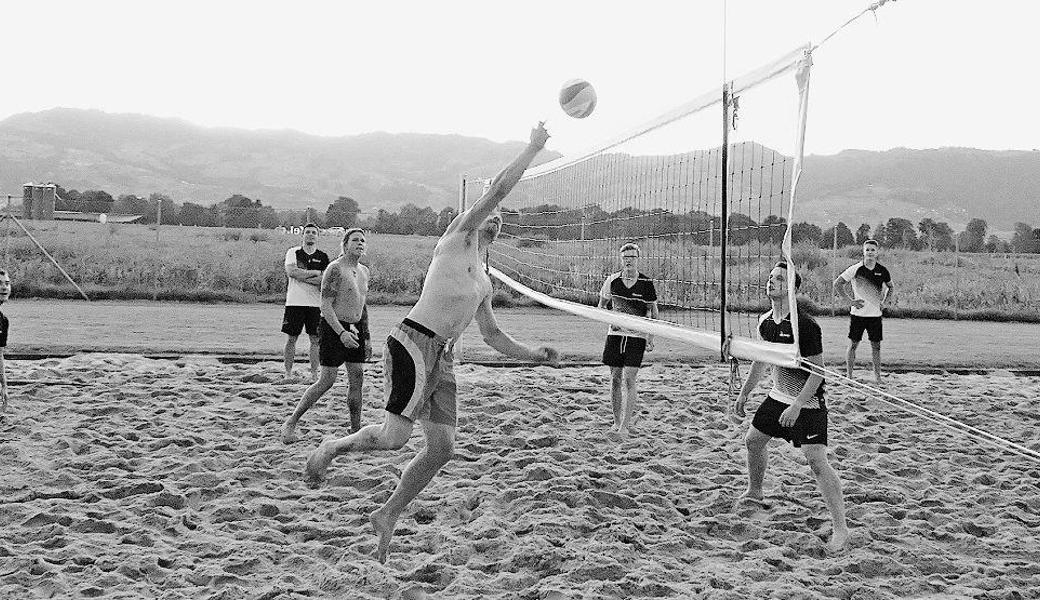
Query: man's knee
[(817, 459), (853, 344), (393, 440), (355, 373), (327, 377), (290, 340), (315, 340), (441, 451), (755, 440), (440, 441), (875, 346), (394, 433)]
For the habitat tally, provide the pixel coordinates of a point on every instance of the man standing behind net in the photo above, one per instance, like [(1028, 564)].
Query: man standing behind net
[(631, 292), (794, 410), (304, 264), (417, 359), (343, 332), (871, 287), (5, 293)]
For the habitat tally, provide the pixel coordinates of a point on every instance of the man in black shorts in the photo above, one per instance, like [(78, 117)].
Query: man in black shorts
[(304, 264), (794, 410), (343, 332), (631, 292), (871, 288), (5, 293), (418, 363)]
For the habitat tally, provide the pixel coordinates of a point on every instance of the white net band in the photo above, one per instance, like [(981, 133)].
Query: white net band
[(777, 354)]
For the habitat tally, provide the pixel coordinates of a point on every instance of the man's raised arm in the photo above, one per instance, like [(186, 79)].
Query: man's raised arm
[(503, 183)]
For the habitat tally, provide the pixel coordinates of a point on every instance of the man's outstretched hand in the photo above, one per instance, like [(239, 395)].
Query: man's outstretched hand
[(549, 355), (539, 135)]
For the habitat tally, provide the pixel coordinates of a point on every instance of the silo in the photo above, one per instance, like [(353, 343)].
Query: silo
[(43, 202), (27, 191)]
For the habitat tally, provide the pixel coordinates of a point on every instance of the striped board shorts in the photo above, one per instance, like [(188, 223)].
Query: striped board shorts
[(420, 377)]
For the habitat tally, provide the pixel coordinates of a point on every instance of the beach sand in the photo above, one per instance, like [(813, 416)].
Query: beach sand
[(125, 477)]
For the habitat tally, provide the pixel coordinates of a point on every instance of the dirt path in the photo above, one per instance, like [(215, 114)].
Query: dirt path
[(65, 327)]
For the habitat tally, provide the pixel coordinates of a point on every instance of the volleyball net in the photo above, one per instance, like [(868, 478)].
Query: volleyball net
[(706, 190)]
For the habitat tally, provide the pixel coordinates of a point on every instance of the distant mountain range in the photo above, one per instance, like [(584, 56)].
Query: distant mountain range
[(123, 153), (136, 154)]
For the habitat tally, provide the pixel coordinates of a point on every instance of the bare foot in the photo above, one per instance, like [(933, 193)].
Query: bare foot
[(754, 500), (839, 540), (317, 464), (383, 526), (289, 433)]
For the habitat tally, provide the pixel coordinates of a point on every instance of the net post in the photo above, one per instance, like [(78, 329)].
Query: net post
[(724, 221), (834, 258)]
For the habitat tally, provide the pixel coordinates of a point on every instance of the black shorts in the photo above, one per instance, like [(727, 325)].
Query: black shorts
[(857, 325), (624, 351), (332, 352), (810, 428), (296, 318)]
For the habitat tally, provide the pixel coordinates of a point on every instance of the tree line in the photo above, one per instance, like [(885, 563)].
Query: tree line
[(243, 212), (549, 221)]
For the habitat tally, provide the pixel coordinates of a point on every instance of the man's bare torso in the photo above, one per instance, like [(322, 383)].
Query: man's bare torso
[(351, 290), (455, 286)]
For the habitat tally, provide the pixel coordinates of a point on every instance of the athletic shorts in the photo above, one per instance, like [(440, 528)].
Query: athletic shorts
[(332, 352), (857, 325), (810, 428), (420, 377), (296, 318), (623, 351)]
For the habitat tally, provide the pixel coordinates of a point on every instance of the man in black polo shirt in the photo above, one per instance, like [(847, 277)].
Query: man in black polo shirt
[(631, 292), (871, 286), (304, 265), (5, 293), (794, 410)]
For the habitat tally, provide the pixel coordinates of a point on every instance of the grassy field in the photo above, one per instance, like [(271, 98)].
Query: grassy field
[(114, 261)]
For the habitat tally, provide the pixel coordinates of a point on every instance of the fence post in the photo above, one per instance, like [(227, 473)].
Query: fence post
[(956, 278), (158, 252)]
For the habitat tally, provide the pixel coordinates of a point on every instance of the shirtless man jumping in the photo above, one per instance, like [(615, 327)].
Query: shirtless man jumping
[(343, 332), (420, 381)]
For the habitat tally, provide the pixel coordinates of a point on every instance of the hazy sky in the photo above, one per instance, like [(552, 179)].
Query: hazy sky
[(926, 73)]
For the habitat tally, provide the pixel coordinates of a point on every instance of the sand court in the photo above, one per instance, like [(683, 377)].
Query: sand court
[(130, 477)]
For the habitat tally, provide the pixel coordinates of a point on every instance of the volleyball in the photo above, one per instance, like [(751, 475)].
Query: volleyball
[(577, 98)]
